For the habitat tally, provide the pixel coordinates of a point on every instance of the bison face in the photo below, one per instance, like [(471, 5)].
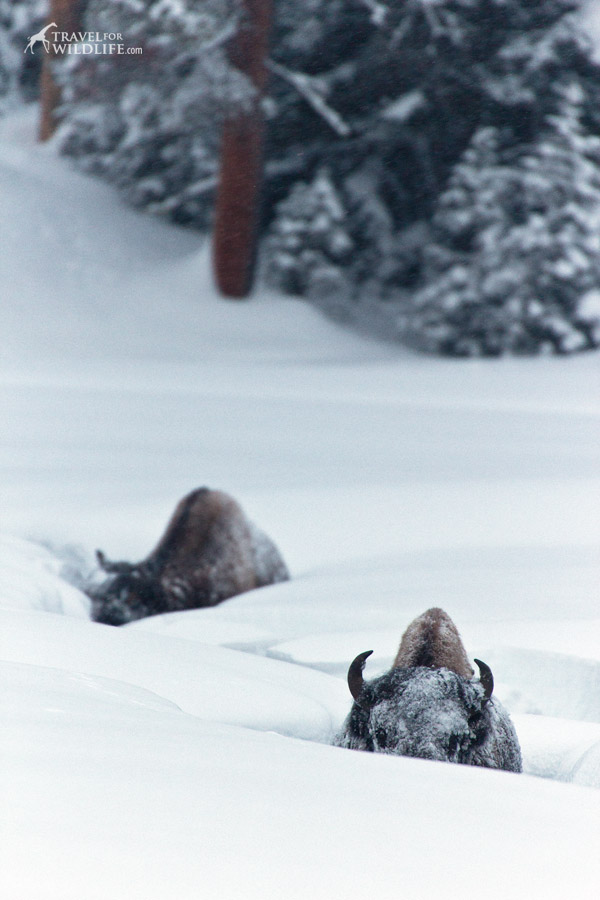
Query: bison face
[(428, 705), (125, 597), (420, 712)]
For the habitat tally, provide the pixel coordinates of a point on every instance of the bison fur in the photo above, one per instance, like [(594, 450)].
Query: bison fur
[(209, 552)]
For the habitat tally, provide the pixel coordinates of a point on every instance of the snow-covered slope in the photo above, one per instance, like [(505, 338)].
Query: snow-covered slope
[(185, 755), (117, 794)]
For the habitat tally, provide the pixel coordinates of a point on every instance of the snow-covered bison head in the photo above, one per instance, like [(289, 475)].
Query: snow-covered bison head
[(429, 705), (210, 551)]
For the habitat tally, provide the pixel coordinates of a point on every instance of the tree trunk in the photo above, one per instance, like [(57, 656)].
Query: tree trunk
[(66, 16), (240, 180)]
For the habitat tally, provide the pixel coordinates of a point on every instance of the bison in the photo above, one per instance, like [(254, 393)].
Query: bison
[(210, 551), (428, 705)]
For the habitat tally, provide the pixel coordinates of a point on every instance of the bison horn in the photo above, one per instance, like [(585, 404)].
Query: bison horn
[(486, 678), (113, 568), (355, 677)]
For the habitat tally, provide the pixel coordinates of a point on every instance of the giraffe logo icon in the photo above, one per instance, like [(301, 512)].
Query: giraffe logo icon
[(40, 36)]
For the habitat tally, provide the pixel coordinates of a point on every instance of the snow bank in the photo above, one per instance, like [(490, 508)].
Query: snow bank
[(207, 626), (555, 684), (154, 760), (560, 748), (111, 795), (212, 683), (31, 577)]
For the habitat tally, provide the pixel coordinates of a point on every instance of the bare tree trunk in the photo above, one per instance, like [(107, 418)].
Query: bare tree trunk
[(66, 16), (240, 181)]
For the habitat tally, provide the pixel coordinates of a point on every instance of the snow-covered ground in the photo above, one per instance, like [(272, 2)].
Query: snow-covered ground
[(187, 755)]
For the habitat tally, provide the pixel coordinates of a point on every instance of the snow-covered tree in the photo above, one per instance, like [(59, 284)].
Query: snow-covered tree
[(411, 111), (407, 82), (436, 99), (308, 248), (19, 71), (150, 122), (515, 259)]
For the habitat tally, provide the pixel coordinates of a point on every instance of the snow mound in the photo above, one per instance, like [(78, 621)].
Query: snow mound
[(554, 684), (31, 577), (334, 651), (115, 796), (212, 683), (63, 694), (560, 749), (390, 484), (205, 625)]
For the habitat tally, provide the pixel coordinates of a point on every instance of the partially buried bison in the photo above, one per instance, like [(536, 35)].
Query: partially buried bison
[(210, 551), (429, 705)]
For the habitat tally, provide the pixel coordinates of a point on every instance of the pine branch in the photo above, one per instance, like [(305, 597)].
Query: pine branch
[(221, 37), (378, 11), (309, 88)]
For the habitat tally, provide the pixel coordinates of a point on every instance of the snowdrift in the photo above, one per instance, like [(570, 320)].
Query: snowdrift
[(187, 755)]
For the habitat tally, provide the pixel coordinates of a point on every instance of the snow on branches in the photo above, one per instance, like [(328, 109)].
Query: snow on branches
[(150, 123), (516, 250)]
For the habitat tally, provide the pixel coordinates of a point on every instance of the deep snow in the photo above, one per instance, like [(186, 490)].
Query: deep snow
[(186, 755)]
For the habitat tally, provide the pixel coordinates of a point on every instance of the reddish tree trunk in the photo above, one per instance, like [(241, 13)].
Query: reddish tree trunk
[(67, 16), (240, 180)]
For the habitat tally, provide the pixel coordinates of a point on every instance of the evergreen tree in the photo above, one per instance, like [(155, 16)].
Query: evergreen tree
[(308, 249), (150, 123), (417, 114), (515, 259), (19, 71), (408, 82), (429, 86)]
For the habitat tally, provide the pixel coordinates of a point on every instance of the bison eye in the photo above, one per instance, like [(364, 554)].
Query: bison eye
[(381, 738), (474, 719)]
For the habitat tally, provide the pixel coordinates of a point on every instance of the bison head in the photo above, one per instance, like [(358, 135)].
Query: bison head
[(131, 592), (430, 713)]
